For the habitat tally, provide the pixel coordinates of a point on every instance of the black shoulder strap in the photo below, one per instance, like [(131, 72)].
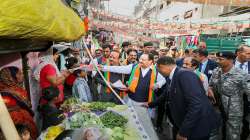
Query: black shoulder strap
[(248, 64)]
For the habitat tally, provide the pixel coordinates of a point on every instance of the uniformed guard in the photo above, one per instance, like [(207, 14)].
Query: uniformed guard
[(230, 83)]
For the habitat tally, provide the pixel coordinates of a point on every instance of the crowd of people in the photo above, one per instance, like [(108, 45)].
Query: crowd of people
[(205, 96)]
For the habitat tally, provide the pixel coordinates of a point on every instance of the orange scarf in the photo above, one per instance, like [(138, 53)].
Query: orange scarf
[(134, 78), (107, 77)]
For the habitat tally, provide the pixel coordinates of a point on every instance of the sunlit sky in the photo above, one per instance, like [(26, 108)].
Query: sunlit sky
[(122, 7)]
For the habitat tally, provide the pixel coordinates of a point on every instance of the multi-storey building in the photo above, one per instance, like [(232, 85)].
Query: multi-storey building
[(167, 10)]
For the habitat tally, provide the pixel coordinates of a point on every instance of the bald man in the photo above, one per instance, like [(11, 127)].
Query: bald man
[(193, 65)]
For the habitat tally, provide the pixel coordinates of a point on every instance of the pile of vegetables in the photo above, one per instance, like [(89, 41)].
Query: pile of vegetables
[(71, 101), (100, 105), (83, 119), (73, 105), (96, 132), (116, 133), (112, 120), (82, 115), (67, 104)]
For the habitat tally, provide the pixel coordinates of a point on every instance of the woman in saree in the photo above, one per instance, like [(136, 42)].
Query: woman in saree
[(16, 98), (48, 74)]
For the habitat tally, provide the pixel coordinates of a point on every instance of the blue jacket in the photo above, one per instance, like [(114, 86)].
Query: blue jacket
[(81, 90), (190, 109)]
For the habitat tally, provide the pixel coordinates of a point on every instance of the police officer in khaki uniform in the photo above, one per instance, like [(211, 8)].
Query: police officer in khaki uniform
[(230, 83)]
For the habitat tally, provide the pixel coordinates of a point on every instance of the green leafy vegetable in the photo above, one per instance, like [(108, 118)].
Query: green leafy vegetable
[(118, 133), (73, 105), (100, 105), (83, 119), (112, 120), (71, 101)]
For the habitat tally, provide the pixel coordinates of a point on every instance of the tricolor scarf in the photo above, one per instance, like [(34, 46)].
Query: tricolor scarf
[(107, 77), (134, 78), (107, 89), (198, 73)]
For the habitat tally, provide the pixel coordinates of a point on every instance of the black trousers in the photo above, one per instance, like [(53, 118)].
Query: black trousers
[(245, 128), (160, 114)]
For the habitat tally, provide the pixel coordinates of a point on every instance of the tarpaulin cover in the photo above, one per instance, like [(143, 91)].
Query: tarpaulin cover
[(39, 19)]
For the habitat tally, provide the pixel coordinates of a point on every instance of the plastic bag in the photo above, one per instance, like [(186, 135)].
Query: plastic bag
[(90, 133), (39, 19)]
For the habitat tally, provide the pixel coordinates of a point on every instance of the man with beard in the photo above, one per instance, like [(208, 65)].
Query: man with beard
[(106, 53), (132, 57)]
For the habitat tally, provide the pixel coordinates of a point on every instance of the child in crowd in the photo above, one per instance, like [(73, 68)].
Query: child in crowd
[(71, 63), (51, 115), (23, 132), (80, 87)]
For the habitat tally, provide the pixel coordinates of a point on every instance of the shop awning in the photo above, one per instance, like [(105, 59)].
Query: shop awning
[(22, 45)]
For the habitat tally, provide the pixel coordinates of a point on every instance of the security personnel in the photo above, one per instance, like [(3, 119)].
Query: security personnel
[(230, 83)]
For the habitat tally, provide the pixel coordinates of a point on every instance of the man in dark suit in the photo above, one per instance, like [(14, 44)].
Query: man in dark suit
[(206, 65), (191, 112)]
